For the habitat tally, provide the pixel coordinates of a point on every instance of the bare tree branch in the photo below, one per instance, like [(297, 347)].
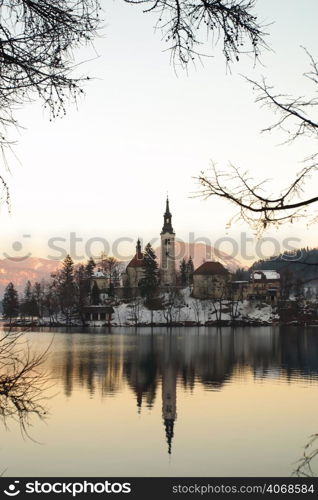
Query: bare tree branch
[(37, 41), (23, 384), (187, 24), (256, 206)]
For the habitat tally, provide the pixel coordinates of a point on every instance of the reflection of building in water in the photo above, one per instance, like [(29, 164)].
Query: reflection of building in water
[(182, 358), (169, 394)]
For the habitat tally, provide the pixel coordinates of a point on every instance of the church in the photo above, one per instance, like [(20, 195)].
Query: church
[(211, 280), (167, 271)]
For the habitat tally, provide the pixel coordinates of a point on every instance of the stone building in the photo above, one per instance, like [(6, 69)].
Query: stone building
[(263, 285), (101, 280), (168, 263), (135, 268), (167, 271), (210, 281)]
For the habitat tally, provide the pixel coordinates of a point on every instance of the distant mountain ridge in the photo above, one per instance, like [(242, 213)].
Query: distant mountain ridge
[(19, 272)]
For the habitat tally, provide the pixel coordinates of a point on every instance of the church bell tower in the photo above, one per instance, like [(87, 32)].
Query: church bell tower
[(168, 265)]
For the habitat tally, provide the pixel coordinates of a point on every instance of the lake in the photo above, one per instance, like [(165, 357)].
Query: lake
[(178, 402)]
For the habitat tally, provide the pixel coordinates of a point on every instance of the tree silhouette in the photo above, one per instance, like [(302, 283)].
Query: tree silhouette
[(23, 384), (10, 303), (36, 56), (239, 188), (186, 24), (39, 37)]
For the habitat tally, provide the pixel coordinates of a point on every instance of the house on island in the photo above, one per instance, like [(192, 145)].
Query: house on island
[(263, 285), (100, 279), (210, 281), (98, 313)]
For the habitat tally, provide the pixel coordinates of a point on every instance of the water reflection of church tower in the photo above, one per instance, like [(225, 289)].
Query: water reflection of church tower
[(169, 393)]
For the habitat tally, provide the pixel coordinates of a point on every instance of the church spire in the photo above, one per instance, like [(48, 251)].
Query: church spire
[(138, 247), (169, 423), (167, 212), (167, 216)]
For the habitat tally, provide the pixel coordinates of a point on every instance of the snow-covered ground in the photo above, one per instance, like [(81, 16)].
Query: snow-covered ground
[(179, 307), (184, 308)]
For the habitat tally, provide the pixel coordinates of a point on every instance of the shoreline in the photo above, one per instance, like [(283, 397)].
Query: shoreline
[(189, 324)]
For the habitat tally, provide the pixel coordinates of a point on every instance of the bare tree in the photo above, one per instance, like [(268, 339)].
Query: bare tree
[(22, 382), (38, 39), (173, 302), (196, 306), (186, 24), (36, 56), (111, 267), (51, 300), (135, 307), (239, 188)]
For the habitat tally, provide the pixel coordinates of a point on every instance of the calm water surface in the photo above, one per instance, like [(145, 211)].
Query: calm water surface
[(198, 402)]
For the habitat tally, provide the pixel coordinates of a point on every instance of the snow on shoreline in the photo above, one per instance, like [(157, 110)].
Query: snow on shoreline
[(187, 309), (178, 309)]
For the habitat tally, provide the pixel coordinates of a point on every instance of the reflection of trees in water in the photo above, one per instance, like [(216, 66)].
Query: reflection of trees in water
[(23, 384), (209, 357), (299, 348), (141, 369), (183, 357), (94, 364)]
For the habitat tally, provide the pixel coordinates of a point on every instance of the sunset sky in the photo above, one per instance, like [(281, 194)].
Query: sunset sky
[(142, 131)]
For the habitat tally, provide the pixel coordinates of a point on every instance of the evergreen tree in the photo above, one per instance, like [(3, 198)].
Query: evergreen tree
[(89, 268), (26, 304), (38, 298), (66, 287), (84, 276), (95, 294), (82, 283), (29, 305), (10, 303), (150, 281), (183, 273), (34, 310), (190, 270)]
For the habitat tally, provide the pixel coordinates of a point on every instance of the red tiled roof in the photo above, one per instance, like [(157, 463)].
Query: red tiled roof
[(211, 268), (137, 261)]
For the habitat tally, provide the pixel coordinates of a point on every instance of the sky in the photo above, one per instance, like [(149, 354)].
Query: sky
[(101, 174)]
